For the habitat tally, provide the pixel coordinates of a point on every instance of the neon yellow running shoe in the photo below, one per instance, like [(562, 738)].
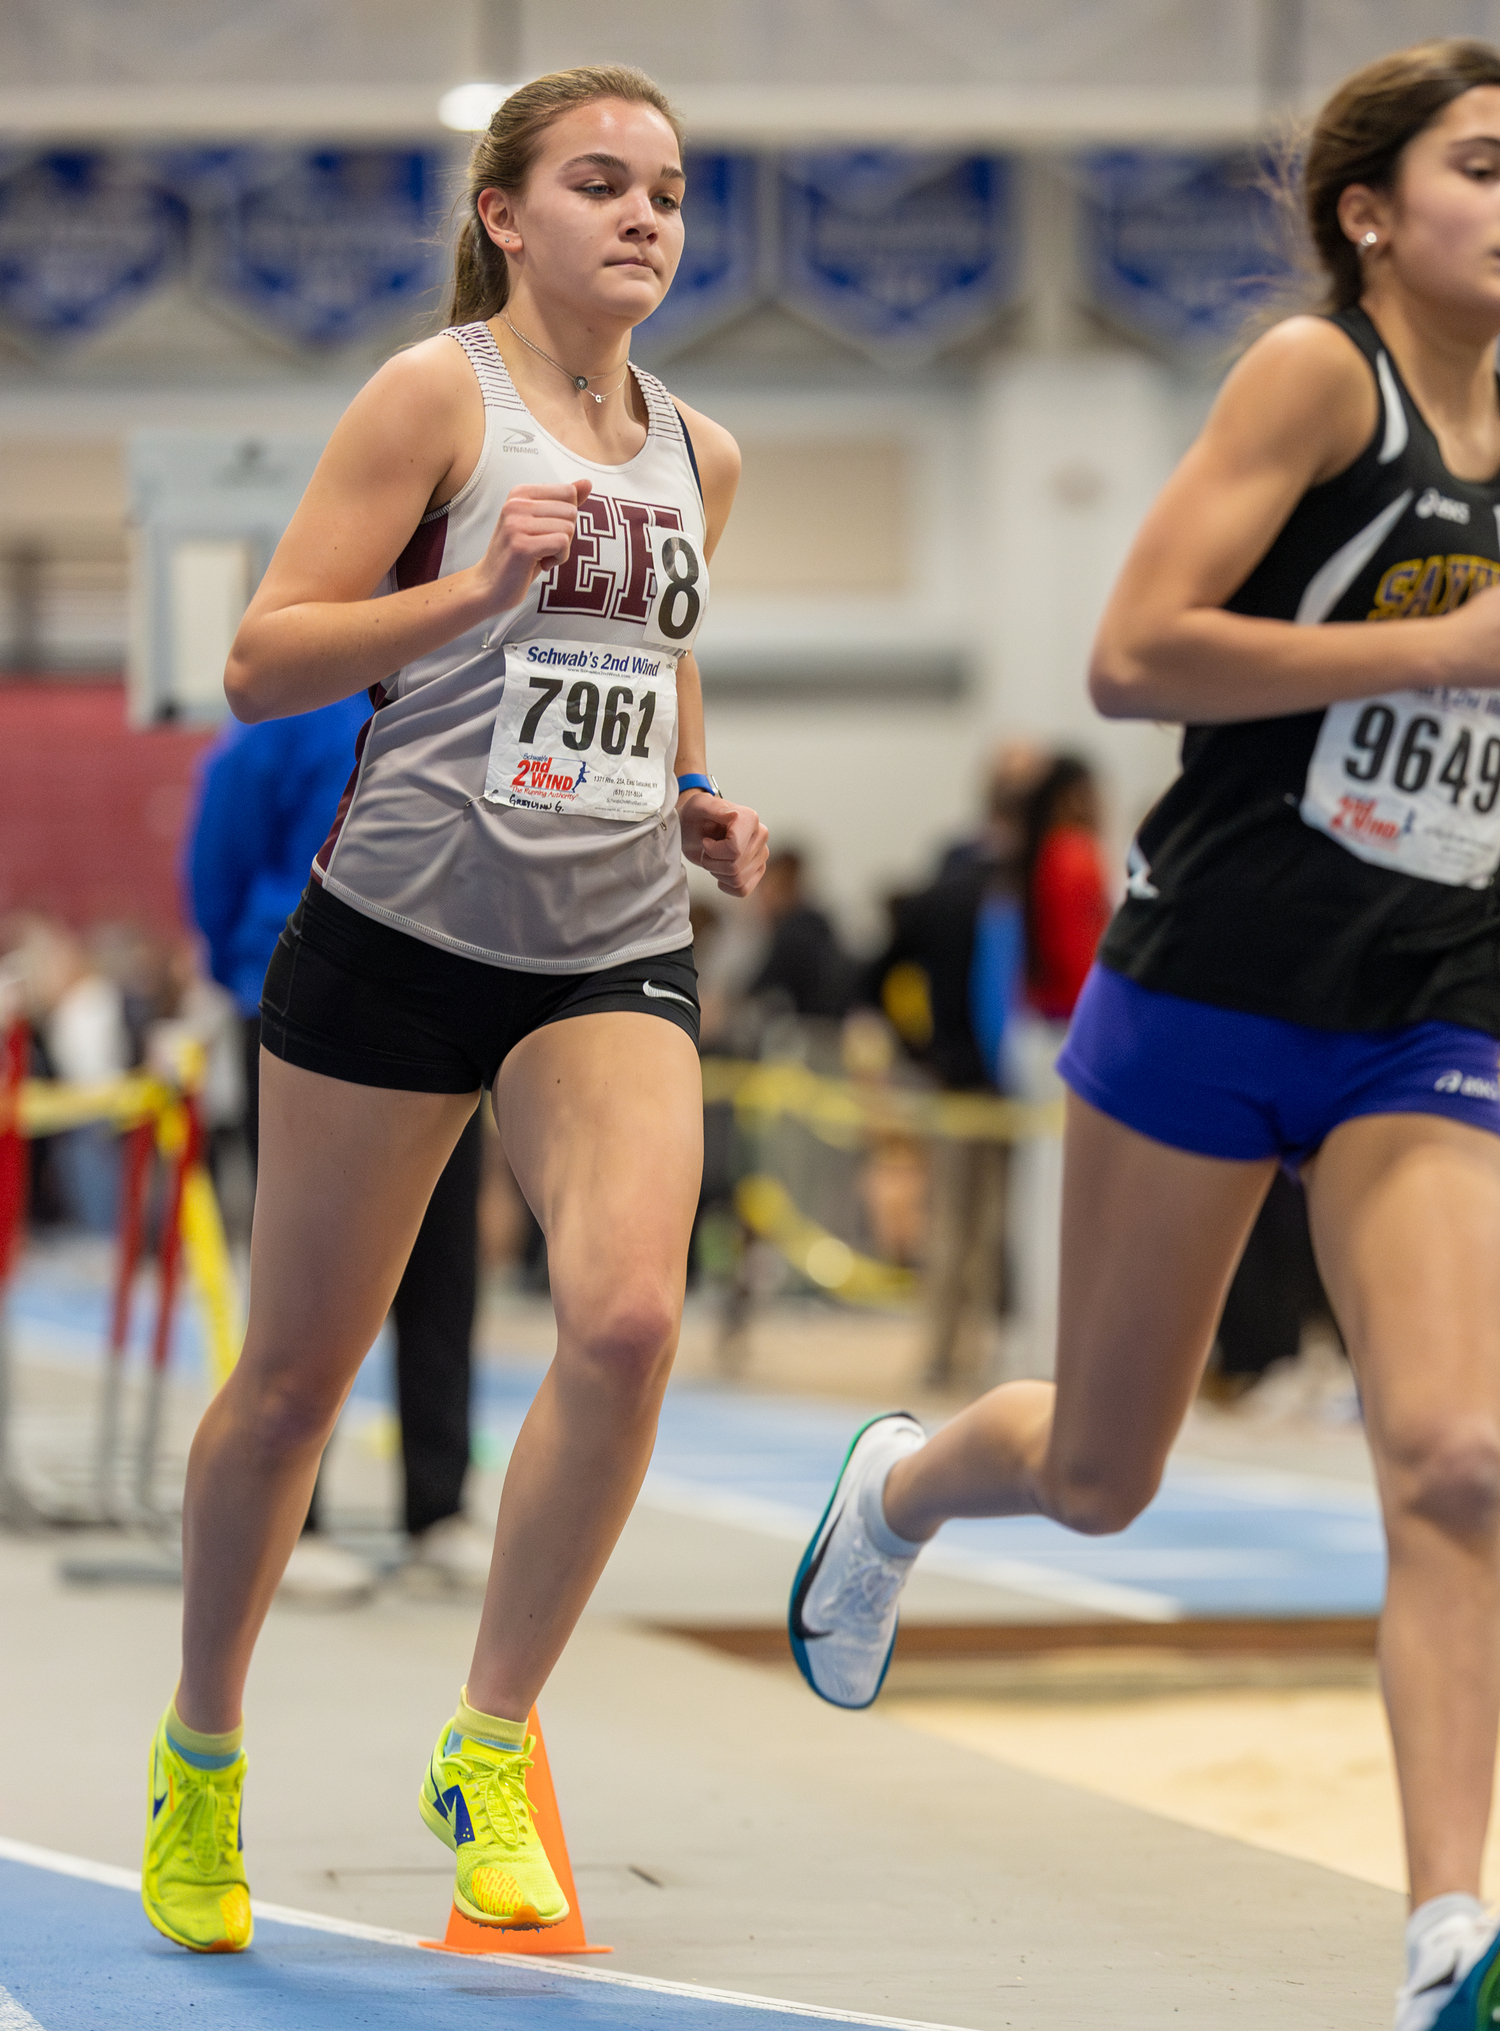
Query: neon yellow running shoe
[(474, 1798), (193, 1878)]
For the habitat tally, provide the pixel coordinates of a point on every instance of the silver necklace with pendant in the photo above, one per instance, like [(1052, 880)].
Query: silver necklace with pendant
[(580, 381)]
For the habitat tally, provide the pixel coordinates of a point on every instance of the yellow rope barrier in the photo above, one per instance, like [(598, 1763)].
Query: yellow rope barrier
[(768, 1209), (48, 1107), (845, 1113), (848, 1114)]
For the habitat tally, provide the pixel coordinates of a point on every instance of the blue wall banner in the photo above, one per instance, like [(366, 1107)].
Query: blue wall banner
[(207, 175), (83, 239), (720, 272), (1178, 248), (338, 247), (898, 251)]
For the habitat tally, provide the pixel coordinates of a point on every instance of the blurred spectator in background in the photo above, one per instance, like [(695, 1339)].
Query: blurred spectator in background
[(1063, 877), (1014, 768), (1067, 906), (77, 1014), (205, 1015), (805, 968), (948, 980), (267, 797)]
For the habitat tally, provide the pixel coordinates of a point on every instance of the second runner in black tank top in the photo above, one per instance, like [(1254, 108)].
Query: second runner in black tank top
[(1338, 868)]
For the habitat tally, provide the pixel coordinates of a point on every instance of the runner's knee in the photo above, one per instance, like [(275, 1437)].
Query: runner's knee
[(1449, 1475), (627, 1338), (1095, 1504), (281, 1418)]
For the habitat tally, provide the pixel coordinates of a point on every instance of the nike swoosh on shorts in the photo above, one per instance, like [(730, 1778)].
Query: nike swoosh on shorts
[(667, 994)]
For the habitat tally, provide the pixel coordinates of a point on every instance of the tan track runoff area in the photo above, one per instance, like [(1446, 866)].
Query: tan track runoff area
[(1301, 1771)]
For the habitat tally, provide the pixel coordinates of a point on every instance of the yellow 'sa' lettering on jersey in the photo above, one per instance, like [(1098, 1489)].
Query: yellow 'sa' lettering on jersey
[(1431, 585)]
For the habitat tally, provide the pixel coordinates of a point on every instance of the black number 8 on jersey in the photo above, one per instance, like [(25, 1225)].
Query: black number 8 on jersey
[(680, 602)]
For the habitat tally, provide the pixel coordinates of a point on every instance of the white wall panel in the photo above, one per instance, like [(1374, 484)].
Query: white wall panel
[(156, 42), (1339, 35), (1157, 43), (1073, 451), (871, 791)]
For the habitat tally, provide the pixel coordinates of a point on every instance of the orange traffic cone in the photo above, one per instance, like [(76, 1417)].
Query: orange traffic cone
[(464, 1936)]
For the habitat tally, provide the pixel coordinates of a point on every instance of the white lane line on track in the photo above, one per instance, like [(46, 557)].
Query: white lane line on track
[(348, 1928), (13, 2017), (69, 1865), (679, 1497)]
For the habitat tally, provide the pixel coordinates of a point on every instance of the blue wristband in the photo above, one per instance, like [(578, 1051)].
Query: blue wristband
[(697, 782)]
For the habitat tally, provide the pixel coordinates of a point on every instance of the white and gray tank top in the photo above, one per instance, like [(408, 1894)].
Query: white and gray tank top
[(513, 797)]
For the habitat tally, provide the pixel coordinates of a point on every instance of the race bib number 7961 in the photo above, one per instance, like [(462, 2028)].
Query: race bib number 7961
[(584, 727), (1411, 781)]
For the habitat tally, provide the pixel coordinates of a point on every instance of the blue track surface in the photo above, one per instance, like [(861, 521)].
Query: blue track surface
[(1213, 1543), (80, 1956), (1220, 1543)]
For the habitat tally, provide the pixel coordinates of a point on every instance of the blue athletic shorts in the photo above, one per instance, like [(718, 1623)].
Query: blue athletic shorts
[(1223, 1083)]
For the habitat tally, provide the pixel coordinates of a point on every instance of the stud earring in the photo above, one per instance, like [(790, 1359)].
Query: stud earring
[(1370, 239)]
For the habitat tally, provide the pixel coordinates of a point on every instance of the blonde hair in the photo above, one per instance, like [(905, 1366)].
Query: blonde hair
[(502, 160)]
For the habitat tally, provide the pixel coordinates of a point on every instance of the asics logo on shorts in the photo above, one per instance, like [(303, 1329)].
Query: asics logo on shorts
[(656, 993), (1469, 1084)]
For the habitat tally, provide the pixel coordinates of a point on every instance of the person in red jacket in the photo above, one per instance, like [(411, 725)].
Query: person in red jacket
[(1067, 903)]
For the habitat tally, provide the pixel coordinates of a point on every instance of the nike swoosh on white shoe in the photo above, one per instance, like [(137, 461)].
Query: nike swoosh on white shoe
[(1443, 1981), (804, 1588)]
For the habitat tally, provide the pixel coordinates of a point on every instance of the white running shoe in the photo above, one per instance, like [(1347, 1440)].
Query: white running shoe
[(452, 1556), (1452, 1971), (847, 1593)]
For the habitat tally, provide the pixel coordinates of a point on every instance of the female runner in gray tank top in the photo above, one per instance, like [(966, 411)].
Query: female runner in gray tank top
[(501, 903)]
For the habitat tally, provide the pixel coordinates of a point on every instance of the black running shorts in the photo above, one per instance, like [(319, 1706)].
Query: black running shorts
[(354, 999)]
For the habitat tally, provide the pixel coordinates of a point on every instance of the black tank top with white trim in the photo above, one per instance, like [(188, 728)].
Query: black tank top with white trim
[(1338, 868)]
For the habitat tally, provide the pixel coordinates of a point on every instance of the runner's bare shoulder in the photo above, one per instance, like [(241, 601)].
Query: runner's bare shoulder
[(1303, 391)]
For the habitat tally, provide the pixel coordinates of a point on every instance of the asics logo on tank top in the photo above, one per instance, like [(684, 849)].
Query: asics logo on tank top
[(1434, 503)]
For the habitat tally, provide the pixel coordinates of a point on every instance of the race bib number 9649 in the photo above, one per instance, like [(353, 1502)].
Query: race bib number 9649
[(1411, 781), (584, 727)]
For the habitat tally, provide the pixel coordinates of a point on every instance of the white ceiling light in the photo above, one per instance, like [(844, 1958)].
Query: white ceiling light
[(468, 108)]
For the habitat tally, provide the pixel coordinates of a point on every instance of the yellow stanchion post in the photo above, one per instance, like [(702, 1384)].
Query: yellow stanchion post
[(211, 1271)]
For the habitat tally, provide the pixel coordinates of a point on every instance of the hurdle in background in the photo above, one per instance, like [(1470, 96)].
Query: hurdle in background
[(161, 1126)]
